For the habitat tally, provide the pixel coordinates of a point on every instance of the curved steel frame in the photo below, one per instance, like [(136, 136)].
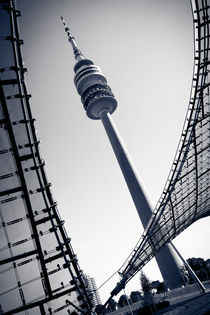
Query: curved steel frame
[(185, 198), (37, 262)]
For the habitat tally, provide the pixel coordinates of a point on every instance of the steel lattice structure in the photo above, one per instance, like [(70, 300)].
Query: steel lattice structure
[(185, 198), (39, 271)]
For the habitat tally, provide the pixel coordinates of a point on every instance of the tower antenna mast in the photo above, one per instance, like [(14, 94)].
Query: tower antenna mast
[(77, 52)]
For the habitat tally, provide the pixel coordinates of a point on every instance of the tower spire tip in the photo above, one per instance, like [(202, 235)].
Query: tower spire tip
[(77, 53)]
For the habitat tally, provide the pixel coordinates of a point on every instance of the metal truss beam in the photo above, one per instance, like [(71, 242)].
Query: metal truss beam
[(185, 198)]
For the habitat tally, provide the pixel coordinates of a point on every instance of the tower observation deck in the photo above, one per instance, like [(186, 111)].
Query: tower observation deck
[(99, 103)]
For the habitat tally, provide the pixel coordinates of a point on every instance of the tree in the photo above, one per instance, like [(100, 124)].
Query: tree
[(123, 300), (147, 290), (162, 288), (135, 296), (100, 309), (154, 284), (200, 267), (207, 263), (112, 305), (196, 263), (184, 273), (145, 284)]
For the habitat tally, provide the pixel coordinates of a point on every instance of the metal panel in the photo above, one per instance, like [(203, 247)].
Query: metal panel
[(39, 272)]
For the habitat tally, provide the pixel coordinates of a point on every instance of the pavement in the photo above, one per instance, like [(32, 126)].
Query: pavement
[(183, 301), (199, 305)]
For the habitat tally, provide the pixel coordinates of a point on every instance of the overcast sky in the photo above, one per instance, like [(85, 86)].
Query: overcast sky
[(145, 49)]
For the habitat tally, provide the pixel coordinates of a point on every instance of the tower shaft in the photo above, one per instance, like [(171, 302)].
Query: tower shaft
[(166, 258), (128, 169)]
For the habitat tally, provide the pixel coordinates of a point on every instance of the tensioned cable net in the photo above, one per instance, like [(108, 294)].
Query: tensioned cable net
[(39, 272), (185, 198)]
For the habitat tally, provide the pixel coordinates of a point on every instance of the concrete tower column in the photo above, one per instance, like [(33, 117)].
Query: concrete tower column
[(166, 258), (99, 103), (128, 169)]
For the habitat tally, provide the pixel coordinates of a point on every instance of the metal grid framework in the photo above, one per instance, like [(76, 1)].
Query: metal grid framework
[(185, 198), (39, 271)]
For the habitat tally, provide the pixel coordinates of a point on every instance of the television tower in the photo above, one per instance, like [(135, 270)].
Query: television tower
[(99, 103)]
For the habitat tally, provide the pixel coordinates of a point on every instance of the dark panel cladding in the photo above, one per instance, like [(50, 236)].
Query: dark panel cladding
[(185, 198), (39, 271)]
